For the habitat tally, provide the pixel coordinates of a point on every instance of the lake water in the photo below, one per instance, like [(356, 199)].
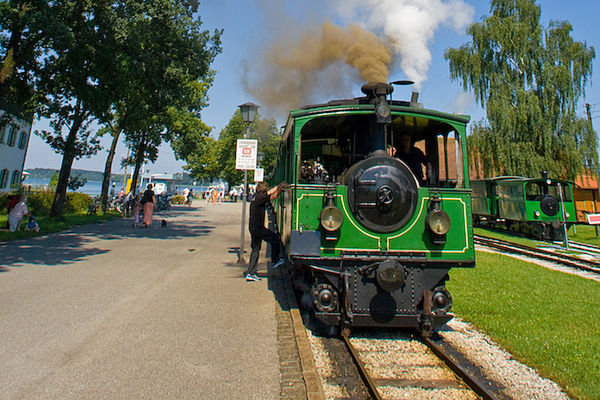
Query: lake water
[(94, 188)]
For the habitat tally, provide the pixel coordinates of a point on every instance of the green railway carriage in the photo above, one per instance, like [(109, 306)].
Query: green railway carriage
[(370, 244), (483, 198), (536, 207)]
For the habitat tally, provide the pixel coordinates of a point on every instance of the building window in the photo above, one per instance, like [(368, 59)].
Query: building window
[(16, 178), (3, 178), (10, 140), (2, 132), (22, 140)]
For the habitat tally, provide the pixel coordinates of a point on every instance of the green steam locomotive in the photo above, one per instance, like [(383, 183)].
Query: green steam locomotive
[(536, 207), (378, 209)]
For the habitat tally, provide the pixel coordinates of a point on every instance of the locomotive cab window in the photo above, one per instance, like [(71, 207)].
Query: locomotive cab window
[(534, 191), (331, 145)]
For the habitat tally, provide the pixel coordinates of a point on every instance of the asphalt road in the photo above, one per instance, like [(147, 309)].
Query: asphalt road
[(108, 311)]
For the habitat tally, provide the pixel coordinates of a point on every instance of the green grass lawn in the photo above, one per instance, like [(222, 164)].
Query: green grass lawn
[(585, 234), (50, 225), (547, 319)]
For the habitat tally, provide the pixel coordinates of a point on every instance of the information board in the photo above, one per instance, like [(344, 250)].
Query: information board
[(593, 219), (259, 174), (245, 156)]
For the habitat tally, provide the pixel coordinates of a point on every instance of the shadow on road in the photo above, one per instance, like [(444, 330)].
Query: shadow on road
[(55, 249), (85, 241)]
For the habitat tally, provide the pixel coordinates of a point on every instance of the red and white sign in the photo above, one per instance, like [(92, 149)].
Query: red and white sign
[(593, 219), (245, 156), (259, 174)]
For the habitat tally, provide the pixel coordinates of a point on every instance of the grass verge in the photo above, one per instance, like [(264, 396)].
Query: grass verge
[(50, 225), (585, 234), (546, 319), (507, 236)]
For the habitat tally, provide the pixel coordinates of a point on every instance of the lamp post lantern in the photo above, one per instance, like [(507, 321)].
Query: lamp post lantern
[(248, 111)]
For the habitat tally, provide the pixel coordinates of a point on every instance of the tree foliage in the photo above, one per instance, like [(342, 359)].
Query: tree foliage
[(268, 140), (530, 79), (125, 63), (208, 158)]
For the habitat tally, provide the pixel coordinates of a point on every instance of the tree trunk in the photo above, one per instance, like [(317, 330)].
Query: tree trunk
[(139, 159), (67, 163), (108, 168)]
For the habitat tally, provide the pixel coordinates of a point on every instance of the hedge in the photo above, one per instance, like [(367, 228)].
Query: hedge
[(39, 203)]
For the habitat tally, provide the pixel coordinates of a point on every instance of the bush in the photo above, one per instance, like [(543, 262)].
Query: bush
[(178, 199), (77, 202), (3, 202), (39, 203)]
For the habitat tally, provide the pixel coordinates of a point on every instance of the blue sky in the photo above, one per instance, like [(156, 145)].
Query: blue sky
[(251, 25)]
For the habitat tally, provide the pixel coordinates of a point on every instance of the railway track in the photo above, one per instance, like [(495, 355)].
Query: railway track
[(413, 368), (587, 248), (563, 259)]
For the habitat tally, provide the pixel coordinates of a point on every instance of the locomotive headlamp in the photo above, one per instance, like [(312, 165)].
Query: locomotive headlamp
[(537, 214), (438, 221), (383, 112), (331, 216)]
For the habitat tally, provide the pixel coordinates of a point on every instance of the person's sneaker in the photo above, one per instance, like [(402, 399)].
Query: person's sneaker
[(252, 278), (279, 263)]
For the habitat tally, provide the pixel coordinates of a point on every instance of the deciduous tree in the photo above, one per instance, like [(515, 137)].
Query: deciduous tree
[(529, 78)]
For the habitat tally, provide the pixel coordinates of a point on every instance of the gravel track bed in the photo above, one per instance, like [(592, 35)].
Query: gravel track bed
[(386, 355), (397, 355), (338, 375), (519, 382)]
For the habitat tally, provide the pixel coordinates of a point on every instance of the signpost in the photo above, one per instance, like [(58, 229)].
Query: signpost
[(245, 156)]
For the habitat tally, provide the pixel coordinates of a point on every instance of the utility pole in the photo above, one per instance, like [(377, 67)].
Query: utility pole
[(589, 116)]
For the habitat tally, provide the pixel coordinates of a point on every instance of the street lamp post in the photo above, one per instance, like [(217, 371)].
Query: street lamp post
[(248, 114)]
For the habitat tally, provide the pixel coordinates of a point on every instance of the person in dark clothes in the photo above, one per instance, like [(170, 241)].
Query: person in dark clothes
[(414, 158), (148, 203), (258, 232)]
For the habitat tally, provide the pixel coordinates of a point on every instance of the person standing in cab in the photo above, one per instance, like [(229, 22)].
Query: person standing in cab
[(413, 157)]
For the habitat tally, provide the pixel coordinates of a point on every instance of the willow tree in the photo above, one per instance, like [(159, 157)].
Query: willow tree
[(529, 78)]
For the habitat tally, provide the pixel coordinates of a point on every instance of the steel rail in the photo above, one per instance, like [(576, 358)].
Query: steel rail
[(590, 266), (583, 246), (469, 380), (473, 383), (370, 385)]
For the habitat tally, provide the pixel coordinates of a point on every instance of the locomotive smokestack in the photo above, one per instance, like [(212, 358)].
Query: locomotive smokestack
[(376, 90)]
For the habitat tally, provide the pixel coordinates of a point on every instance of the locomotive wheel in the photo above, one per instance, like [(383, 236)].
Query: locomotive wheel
[(538, 231)]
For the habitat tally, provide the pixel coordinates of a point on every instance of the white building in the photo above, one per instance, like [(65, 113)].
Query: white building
[(14, 139)]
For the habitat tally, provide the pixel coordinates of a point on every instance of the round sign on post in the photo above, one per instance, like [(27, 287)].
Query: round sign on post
[(245, 156)]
